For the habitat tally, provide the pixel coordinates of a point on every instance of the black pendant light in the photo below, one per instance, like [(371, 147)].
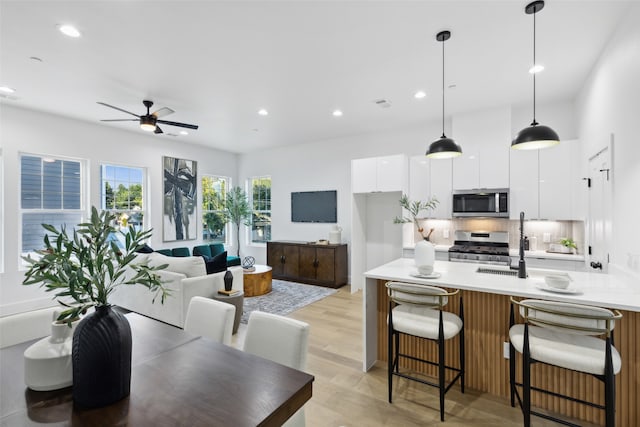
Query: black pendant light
[(535, 136), (443, 148)]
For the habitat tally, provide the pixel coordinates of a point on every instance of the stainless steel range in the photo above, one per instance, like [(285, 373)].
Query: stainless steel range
[(487, 247)]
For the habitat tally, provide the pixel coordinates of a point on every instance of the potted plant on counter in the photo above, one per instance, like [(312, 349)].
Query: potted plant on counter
[(83, 269), (424, 252)]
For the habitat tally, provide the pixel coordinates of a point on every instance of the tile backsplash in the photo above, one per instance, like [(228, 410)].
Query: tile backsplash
[(535, 230)]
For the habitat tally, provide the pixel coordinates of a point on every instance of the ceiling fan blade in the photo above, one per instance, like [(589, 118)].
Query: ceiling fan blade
[(119, 109), (120, 120), (164, 111), (182, 125), (158, 130)]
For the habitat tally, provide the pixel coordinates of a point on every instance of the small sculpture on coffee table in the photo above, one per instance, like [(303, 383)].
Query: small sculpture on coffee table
[(248, 264)]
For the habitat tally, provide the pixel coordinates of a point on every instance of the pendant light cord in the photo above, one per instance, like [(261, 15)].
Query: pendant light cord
[(443, 135), (534, 123)]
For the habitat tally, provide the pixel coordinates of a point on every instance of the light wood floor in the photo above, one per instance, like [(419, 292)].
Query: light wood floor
[(344, 395)]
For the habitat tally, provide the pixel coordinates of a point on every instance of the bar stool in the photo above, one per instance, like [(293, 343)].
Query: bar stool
[(563, 335), (417, 310)]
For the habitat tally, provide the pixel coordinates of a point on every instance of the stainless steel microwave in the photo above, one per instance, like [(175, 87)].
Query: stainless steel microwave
[(481, 203)]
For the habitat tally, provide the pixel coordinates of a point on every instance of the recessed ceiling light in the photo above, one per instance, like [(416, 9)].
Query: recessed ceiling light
[(6, 89), (337, 113), (69, 30), (263, 112), (536, 68), (419, 94), (184, 132)]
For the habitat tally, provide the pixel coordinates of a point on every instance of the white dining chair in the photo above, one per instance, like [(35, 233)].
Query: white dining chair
[(567, 336), (282, 340), (211, 319)]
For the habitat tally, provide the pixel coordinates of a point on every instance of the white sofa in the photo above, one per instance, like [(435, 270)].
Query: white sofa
[(185, 277)]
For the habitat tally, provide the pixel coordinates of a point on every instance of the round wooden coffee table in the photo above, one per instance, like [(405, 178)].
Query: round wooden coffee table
[(257, 282)]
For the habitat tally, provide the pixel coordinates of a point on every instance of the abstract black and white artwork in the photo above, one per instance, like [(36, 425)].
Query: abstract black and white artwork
[(180, 199)]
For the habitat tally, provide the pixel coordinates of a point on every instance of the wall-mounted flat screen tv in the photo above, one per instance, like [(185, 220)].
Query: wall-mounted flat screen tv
[(314, 206)]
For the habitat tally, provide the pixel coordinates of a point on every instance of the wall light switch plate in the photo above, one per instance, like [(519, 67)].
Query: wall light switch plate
[(546, 237), (506, 350)]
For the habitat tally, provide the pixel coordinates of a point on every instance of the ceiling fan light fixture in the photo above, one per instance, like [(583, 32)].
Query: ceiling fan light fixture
[(443, 148), (148, 123), (536, 136)]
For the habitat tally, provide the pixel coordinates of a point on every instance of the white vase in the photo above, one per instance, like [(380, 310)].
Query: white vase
[(47, 363), (335, 235), (424, 255)]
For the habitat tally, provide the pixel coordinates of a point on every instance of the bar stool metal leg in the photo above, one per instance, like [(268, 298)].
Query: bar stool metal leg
[(441, 371), (526, 379), (609, 387), (462, 353), (390, 353)]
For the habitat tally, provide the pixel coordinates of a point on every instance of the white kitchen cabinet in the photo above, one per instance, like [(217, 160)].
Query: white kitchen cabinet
[(555, 173), (431, 178), (523, 187), (440, 178), (547, 184), (379, 174), (419, 178), (484, 137)]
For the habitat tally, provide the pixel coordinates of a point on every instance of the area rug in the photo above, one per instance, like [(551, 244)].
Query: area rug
[(284, 298)]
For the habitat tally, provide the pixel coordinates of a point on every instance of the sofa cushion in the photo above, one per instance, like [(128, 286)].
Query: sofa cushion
[(217, 263), (180, 252), (232, 260), (145, 249), (202, 250), (216, 248), (191, 266)]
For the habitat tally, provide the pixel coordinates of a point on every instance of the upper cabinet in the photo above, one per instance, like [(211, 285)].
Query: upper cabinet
[(485, 140), (431, 178), (547, 183), (379, 174)]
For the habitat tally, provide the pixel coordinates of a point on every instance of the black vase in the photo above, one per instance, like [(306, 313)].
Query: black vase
[(228, 280), (101, 355)]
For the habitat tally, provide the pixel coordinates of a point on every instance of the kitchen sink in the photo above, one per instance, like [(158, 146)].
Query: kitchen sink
[(498, 271)]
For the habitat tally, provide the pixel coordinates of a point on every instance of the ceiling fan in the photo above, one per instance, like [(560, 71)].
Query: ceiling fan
[(149, 122)]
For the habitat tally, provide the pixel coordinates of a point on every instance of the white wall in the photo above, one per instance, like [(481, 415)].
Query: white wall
[(323, 165), (35, 132), (609, 103)]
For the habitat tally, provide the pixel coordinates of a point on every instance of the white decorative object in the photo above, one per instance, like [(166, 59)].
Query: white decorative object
[(335, 235), (424, 256), (47, 363)]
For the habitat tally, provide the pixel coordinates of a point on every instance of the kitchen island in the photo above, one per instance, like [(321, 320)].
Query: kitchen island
[(486, 305)]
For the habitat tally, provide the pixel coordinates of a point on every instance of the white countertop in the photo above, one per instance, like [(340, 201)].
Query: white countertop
[(599, 289)]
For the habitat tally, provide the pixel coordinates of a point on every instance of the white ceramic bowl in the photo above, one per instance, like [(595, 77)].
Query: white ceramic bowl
[(425, 269), (557, 281)]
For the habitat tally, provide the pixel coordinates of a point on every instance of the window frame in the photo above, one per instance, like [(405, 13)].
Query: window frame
[(82, 211), (250, 184), (144, 182), (227, 227)]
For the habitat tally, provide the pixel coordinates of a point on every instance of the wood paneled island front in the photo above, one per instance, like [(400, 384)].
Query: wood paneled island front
[(486, 308)]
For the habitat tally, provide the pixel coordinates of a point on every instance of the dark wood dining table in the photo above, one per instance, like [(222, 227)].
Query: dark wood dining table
[(177, 379)]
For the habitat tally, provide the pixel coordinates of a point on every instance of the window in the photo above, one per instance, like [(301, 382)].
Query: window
[(214, 193), (261, 203), (122, 193), (51, 192)]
